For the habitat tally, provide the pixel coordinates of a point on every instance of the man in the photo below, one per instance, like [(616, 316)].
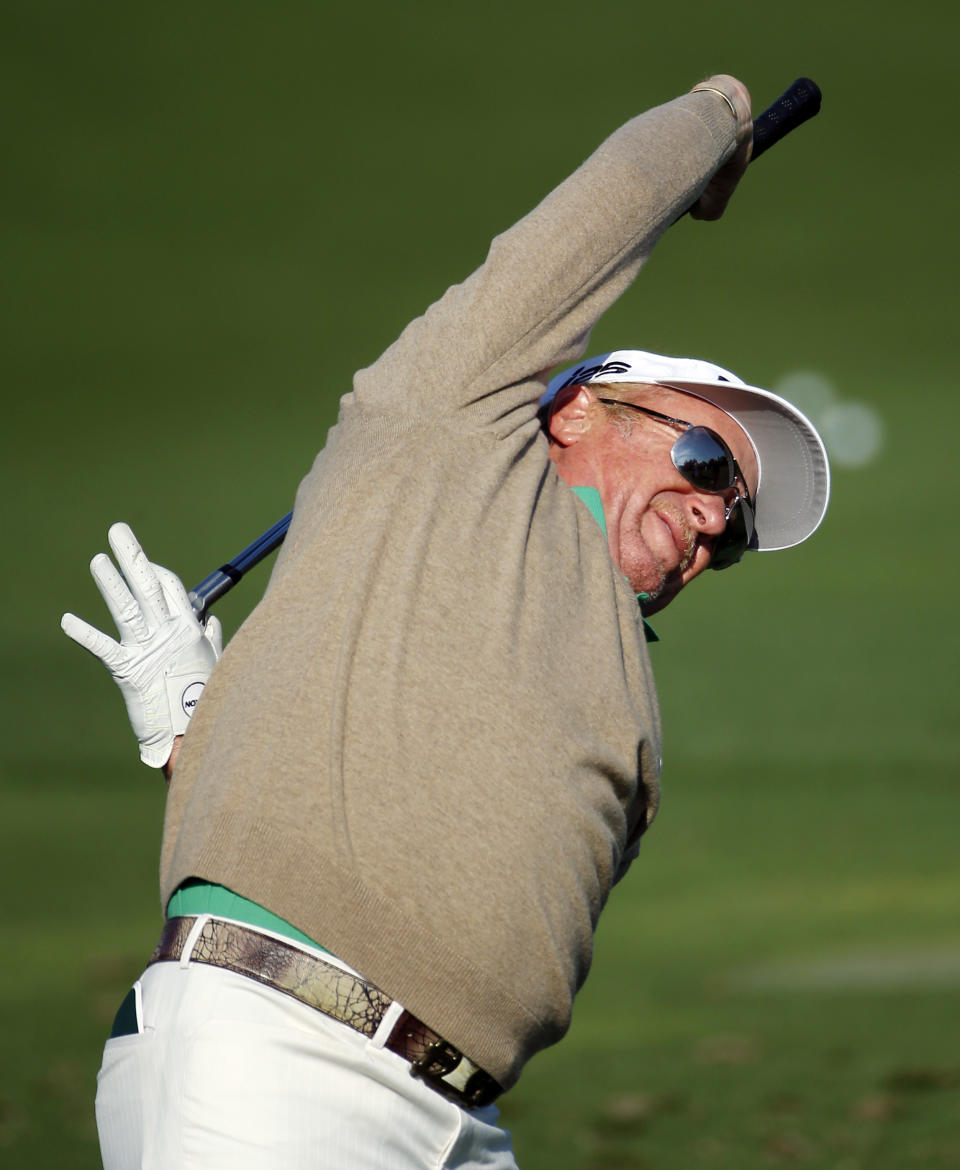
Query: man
[(426, 757)]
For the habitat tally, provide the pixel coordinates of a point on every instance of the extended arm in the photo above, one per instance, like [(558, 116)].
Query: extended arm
[(548, 279)]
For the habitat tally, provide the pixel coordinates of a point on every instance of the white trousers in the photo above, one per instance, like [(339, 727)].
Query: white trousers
[(226, 1074)]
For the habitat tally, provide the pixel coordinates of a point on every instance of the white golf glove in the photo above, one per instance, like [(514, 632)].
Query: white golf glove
[(164, 657)]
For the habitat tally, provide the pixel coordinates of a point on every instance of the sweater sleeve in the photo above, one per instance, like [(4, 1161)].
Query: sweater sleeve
[(548, 279)]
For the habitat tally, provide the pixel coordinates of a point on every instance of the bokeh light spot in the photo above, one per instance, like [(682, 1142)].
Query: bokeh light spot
[(852, 431)]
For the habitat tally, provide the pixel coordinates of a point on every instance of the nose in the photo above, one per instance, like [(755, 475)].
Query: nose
[(706, 512)]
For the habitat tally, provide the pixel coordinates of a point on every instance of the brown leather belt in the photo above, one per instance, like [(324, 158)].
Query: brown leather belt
[(336, 993)]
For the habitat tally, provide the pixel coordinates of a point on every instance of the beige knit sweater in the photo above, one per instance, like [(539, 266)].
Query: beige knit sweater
[(435, 742)]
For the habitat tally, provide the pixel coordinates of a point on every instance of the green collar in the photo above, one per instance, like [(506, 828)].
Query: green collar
[(591, 497)]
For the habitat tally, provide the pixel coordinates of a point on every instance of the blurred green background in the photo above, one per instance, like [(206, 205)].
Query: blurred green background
[(212, 215)]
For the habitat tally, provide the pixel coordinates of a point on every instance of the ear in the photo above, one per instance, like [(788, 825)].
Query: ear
[(570, 415)]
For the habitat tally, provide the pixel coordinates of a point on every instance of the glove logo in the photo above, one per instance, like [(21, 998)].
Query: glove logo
[(190, 697)]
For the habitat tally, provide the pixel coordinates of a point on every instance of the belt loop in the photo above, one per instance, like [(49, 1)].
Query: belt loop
[(191, 940), (386, 1025)]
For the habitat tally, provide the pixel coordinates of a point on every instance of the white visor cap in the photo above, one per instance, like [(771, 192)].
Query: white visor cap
[(794, 483)]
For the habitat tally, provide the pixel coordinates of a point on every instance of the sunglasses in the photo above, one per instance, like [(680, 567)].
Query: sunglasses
[(705, 461)]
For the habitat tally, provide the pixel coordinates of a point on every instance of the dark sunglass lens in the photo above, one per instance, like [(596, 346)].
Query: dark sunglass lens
[(731, 545), (735, 538), (703, 460)]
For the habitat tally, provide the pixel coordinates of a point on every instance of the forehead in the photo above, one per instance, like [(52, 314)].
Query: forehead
[(688, 407)]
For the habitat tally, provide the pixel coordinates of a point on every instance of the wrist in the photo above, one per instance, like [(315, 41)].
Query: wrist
[(719, 93), (174, 752), (735, 96)]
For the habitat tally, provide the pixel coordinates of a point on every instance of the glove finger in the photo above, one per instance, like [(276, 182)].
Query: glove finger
[(213, 632), (139, 573), (101, 645), (174, 592), (124, 607)]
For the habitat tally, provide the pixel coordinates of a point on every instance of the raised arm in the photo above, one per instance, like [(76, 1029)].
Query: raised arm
[(548, 279)]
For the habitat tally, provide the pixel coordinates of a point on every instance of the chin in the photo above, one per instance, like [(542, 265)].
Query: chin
[(656, 604), (661, 596), (660, 584)]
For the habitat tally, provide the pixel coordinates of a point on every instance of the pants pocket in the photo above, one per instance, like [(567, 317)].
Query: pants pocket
[(129, 1018)]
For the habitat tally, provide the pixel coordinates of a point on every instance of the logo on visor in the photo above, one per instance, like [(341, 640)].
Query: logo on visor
[(593, 373)]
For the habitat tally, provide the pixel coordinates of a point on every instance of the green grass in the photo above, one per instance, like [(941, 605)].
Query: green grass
[(213, 216)]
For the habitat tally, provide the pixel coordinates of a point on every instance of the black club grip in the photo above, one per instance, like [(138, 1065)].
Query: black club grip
[(791, 109)]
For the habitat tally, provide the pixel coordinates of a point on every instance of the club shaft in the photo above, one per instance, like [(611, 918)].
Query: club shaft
[(222, 580)]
